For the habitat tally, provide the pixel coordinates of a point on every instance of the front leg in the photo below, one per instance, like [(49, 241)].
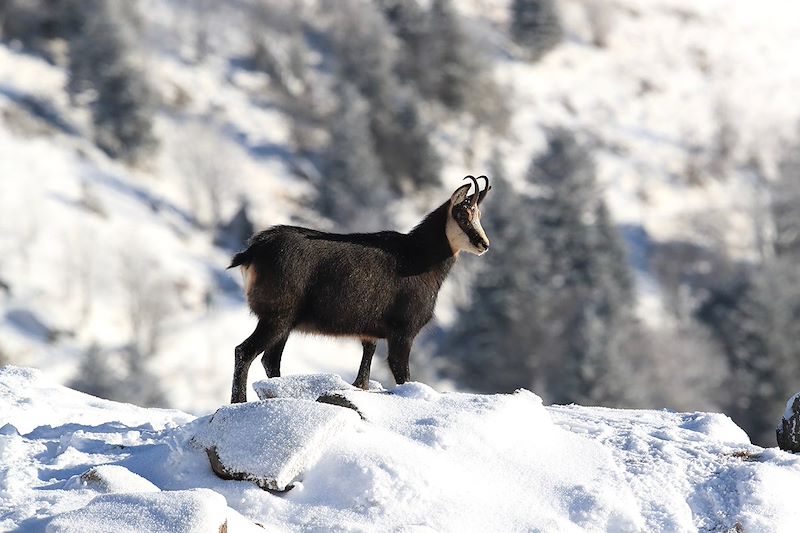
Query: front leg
[(362, 380), (399, 352)]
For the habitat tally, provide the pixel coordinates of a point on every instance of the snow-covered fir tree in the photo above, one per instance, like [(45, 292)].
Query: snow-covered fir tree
[(554, 302), (503, 317), (353, 191), (454, 58), (103, 65), (536, 26), (755, 317), (365, 55)]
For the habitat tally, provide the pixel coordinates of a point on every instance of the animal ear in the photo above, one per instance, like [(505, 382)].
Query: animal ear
[(460, 195), (482, 194)]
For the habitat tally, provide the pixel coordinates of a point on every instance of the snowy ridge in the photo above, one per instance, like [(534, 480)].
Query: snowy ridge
[(419, 461)]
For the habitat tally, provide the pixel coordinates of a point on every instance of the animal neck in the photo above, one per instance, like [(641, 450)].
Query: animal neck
[(429, 250)]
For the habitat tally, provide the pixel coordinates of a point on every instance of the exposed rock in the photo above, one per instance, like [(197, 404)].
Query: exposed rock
[(185, 511), (270, 442), (110, 478), (788, 431), (341, 400)]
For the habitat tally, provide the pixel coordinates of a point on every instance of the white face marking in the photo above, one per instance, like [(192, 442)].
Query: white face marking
[(477, 225), (459, 241)]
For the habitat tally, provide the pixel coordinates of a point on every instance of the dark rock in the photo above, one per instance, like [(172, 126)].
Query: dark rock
[(335, 398), (788, 431)]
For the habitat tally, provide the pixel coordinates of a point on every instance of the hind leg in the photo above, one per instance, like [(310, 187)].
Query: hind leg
[(362, 380), (244, 355), (271, 360), (399, 351)]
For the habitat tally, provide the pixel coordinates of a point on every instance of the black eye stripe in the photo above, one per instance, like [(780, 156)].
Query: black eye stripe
[(469, 229)]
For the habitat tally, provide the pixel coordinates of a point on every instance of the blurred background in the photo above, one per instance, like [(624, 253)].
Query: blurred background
[(645, 215)]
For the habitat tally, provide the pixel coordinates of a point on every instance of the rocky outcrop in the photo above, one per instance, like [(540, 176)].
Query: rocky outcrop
[(110, 478), (788, 431), (271, 442)]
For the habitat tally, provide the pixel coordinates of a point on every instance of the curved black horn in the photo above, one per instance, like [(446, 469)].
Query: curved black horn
[(474, 201), (485, 190)]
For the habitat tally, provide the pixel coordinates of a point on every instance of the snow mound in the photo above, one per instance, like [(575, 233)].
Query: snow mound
[(716, 426), (272, 441), (419, 460), (183, 511), (466, 462), (110, 478), (306, 387), (30, 400)]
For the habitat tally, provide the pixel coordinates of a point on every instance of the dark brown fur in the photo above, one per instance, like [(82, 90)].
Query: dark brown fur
[(365, 285)]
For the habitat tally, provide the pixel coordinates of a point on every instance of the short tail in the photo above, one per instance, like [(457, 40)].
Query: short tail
[(242, 258)]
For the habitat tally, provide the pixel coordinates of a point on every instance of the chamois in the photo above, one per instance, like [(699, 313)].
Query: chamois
[(364, 285)]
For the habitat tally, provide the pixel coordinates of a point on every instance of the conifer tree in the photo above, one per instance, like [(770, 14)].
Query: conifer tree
[(553, 308), (410, 23), (492, 345), (365, 57), (756, 319), (353, 191), (96, 375), (536, 25), (101, 61), (455, 69)]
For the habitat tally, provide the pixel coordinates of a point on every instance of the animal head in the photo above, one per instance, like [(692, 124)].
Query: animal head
[(464, 231)]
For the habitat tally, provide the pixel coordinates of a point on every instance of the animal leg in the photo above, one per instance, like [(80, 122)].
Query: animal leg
[(244, 354), (362, 380), (272, 357), (399, 351)]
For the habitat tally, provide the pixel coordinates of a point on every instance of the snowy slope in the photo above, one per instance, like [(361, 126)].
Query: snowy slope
[(419, 461)]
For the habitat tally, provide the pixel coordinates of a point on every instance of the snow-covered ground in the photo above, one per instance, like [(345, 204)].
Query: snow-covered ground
[(416, 460)]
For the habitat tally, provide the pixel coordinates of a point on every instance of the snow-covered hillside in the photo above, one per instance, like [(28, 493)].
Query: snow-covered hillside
[(84, 238), (418, 460)]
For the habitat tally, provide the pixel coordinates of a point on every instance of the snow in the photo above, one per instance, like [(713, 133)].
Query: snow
[(309, 387), (790, 410), (30, 400), (272, 441), (182, 511), (420, 460), (110, 478)]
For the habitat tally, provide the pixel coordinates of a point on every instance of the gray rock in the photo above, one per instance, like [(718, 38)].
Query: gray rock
[(270, 442), (788, 431)]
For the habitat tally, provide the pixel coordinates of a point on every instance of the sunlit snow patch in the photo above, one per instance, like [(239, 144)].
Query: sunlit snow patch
[(184, 511), (270, 442)]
